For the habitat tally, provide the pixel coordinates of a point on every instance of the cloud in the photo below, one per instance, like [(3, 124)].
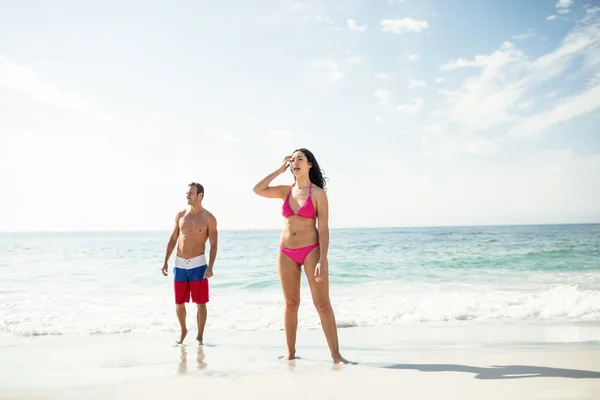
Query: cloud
[(354, 60), (412, 57), (24, 80), (300, 6), (383, 76), (526, 35), (383, 96), (404, 25), (330, 66), (439, 80), (524, 105), (504, 55), (593, 81), (491, 97), (564, 3), (438, 145), (413, 84), (353, 26), (378, 119), (550, 17), (412, 108), (571, 107), (574, 44)]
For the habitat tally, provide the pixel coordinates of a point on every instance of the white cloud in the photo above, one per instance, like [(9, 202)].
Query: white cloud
[(399, 26), (412, 108), (575, 43), (550, 17), (506, 54), (439, 80), (594, 80), (590, 13), (564, 3), (438, 145), (300, 6), (383, 96), (353, 26), (24, 80), (378, 119), (524, 105), (412, 57), (330, 66), (492, 96), (413, 84), (354, 60), (572, 107), (525, 35), (564, 11), (383, 76)]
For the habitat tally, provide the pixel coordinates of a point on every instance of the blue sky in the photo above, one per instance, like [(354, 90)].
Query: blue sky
[(420, 112)]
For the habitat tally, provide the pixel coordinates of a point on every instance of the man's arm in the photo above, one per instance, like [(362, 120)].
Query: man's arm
[(171, 245), (213, 237)]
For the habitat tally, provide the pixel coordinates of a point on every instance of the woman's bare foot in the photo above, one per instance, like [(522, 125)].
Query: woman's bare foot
[(199, 341), (291, 355), (183, 335)]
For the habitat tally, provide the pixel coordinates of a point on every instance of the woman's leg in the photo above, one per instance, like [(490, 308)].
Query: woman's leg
[(320, 296), (289, 276)]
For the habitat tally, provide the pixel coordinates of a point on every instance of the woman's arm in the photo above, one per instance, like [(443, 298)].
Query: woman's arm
[(263, 189), (323, 225), (321, 271)]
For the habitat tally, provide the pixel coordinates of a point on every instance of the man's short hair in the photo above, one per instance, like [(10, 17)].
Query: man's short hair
[(199, 187)]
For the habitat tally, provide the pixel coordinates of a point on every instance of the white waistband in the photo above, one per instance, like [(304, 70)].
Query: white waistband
[(189, 263)]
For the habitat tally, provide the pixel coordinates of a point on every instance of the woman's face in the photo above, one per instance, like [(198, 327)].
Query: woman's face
[(299, 164)]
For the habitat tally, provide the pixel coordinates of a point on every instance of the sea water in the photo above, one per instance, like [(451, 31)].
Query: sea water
[(87, 283)]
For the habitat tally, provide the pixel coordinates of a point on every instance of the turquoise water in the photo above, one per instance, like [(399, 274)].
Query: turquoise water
[(94, 283)]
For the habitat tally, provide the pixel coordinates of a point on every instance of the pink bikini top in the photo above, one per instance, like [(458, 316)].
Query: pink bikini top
[(306, 211)]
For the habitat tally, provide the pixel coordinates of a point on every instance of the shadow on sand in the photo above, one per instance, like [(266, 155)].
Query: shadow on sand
[(500, 371)]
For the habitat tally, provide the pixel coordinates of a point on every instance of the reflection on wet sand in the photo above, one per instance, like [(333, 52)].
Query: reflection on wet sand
[(200, 356)]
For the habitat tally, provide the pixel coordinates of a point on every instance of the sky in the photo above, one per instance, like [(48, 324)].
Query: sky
[(420, 112)]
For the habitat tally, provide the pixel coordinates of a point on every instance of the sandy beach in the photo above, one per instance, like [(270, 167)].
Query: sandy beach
[(466, 361)]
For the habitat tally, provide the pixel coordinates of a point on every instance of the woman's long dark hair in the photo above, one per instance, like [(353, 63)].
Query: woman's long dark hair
[(315, 174)]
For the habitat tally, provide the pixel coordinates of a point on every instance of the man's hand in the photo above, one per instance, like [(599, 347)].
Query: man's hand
[(208, 273), (321, 270), (165, 269)]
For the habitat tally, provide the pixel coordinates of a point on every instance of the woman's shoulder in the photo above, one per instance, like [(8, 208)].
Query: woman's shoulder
[(318, 192)]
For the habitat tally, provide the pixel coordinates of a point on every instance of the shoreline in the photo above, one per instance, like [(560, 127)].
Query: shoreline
[(484, 360)]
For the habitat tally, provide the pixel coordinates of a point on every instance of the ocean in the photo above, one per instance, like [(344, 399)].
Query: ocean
[(95, 283)]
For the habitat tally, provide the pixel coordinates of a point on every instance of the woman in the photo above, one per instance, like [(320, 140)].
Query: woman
[(302, 242)]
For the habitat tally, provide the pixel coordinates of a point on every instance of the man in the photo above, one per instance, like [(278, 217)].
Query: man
[(193, 226)]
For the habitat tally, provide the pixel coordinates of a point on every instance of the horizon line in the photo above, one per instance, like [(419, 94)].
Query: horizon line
[(330, 228)]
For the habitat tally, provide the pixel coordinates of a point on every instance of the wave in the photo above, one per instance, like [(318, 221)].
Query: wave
[(373, 304)]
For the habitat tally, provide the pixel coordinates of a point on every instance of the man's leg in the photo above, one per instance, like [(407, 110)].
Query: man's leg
[(182, 296), (180, 308), (199, 292), (201, 317)]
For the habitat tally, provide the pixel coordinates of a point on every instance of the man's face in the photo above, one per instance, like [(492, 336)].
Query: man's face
[(192, 196)]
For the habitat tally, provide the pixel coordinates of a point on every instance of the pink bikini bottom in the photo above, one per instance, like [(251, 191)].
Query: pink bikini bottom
[(299, 255)]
